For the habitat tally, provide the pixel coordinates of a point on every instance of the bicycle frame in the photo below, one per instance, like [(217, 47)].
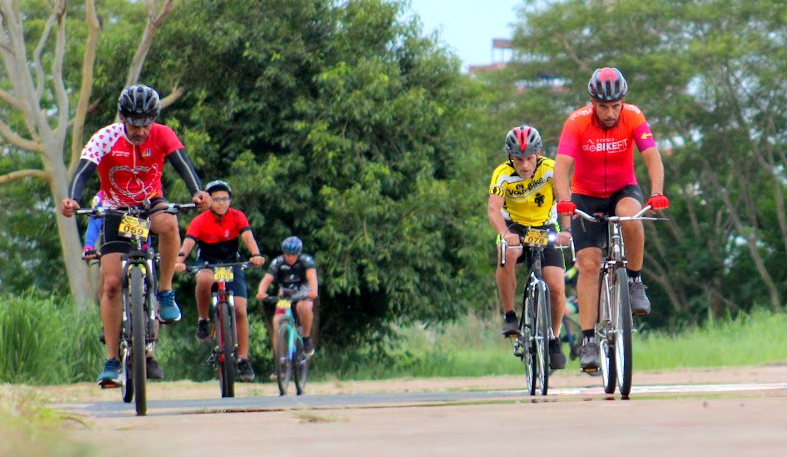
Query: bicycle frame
[(289, 355), (614, 324), (138, 285), (225, 349), (535, 322)]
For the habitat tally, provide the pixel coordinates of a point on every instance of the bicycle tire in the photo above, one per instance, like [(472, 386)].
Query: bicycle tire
[(136, 294), (226, 351), (527, 330), (605, 336), (623, 328), (127, 389), (300, 367), (543, 324), (284, 358)]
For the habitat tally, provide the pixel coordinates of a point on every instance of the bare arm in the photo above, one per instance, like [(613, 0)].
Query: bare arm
[(185, 249), (311, 276), (652, 159), (561, 173), (498, 222), (262, 291), (251, 245)]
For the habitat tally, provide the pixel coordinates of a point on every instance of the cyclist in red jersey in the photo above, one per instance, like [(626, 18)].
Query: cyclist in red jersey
[(598, 142), (129, 156), (217, 233)]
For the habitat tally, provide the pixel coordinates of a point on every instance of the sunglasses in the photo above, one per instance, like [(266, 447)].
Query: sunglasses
[(140, 121), (221, 199)]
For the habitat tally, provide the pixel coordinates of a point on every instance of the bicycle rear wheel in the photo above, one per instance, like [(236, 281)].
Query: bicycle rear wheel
[(623, 328), (300, 367), (605, 334), (527, 329), (226, 351), (543, 324), (136, 294), (284, 352)]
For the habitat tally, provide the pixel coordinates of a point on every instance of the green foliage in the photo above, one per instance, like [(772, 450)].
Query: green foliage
[(43, 341)]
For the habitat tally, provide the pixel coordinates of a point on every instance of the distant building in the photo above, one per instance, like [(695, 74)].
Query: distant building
[(502, 54)]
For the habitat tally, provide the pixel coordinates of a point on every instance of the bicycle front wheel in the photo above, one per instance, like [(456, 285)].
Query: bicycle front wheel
[(226, 351), (623, 328), (527, 329), (136, 293), (543, 324), (127, 389), (284, 352), (300, 367), (605, 334)]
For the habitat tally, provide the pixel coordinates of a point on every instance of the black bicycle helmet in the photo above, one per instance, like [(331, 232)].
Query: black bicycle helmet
[(139, 104), (218, 185), (607, 85), (292, 245), (523, 141)]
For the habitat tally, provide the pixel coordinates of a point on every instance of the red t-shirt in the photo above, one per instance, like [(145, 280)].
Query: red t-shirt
[(604, 158), (217, 237), (130, 174)]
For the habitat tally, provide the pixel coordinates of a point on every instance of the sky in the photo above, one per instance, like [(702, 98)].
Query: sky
[(467, 27)]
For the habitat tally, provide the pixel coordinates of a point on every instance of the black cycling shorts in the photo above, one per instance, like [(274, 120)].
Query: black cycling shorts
[(553, 257), (238, 284), (588, 234), (114, 242)]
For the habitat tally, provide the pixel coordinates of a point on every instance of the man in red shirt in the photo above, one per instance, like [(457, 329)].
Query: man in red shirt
[(598, 142), (129, 156), (217, 232)]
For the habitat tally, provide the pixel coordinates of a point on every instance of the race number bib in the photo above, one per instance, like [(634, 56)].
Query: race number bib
[(132, 226), (223, 274), (283, 304), (537, 237)]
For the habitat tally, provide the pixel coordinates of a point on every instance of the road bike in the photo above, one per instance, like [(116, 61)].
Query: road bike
[(138, 330), (224, 354), (291, 360), (614, 325), (535, 322)]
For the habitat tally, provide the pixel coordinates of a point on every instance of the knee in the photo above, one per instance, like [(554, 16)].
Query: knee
[(111, 286), (305, 307)]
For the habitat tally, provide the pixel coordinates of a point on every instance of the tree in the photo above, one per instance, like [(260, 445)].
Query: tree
[(36, 114), (342, 124), (710, 77)]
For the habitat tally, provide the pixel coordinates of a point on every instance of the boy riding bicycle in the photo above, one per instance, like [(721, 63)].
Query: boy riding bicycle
[(293, 270), (217, 232), (521, 195)]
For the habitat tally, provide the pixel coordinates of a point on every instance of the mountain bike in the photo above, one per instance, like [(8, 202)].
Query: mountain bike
[(535, 322), (225, 332), (138, 330), (614, 325), (291, 360)]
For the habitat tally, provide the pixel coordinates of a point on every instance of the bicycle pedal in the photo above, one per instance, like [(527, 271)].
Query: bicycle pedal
[(590, 370), (109, 384)]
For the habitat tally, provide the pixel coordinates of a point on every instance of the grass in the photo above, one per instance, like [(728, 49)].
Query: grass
[(473, 346), (29, 428)]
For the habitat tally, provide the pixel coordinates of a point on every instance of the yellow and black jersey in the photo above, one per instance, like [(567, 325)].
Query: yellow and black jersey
[(529, 202)]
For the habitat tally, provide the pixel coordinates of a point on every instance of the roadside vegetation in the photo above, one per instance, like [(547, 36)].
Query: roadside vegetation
[(43, 342)]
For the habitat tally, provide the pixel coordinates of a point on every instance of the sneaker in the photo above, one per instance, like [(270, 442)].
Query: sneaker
[(246, 371), (588, 356), (153, 369), (557, 360), (168, 310), (110, 377), (203, 331), (511, 327), (308, 348), (640, 305)]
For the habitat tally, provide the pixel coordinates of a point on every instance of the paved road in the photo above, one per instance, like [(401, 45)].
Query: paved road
[(725, 419)]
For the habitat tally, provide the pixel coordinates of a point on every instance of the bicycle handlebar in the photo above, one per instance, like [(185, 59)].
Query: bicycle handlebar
[(552, 236), (209, 266), (607, 218), (100, 212)]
